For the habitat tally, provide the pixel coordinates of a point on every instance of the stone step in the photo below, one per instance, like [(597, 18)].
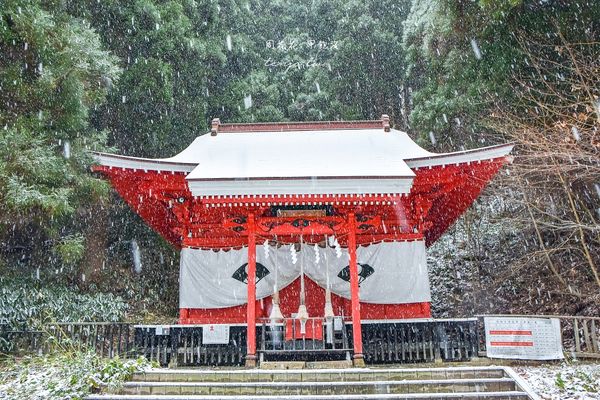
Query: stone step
[(475, 383), (325, 375), (320, 388), (513, 395), (331, 364)]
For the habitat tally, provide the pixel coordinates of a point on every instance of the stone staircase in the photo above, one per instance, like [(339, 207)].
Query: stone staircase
[(475, 383)]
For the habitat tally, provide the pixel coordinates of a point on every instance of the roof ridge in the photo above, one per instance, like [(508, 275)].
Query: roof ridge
[(217, 126)]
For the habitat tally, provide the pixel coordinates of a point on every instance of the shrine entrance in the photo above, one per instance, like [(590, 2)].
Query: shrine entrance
[(315, 330), (299, 334), (313, 339)]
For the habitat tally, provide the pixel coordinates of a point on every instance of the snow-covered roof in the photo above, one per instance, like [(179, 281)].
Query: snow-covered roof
[(301, 158)]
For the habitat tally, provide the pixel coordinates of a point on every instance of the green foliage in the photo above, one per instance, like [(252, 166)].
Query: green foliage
[(589, 383), (499, 8), (559, 381), (25, 304), (53, 71), (453, 67), (148, 87), (326, 60), (169, 51), (71, 249), (71, 375), (463, 56)]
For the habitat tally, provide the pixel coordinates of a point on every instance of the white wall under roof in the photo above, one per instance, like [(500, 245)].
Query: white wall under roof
[(300, 186)]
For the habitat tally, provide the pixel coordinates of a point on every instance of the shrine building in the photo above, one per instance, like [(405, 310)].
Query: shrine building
[(303, 223)]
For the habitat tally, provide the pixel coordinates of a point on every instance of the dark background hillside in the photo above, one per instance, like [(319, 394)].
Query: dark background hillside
[(145, 77)]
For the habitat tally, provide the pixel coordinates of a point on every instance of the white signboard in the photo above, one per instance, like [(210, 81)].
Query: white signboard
[(338, 323), (215, 334), (523, 338), (161, 330)]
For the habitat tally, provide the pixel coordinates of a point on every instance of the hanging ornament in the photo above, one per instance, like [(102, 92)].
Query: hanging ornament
[(328, 311), (275, 315), (302, 314), (266, 248), (331, 241), (293, 254), (317, 256), (338, 248)]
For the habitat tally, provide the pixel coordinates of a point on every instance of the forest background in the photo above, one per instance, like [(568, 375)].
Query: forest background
[(145, 77)]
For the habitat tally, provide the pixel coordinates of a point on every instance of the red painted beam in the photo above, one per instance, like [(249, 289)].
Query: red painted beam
[(258, 201), (356, 323), (221, 242), (251, 314)]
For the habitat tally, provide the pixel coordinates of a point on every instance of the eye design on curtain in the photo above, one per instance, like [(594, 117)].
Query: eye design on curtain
[(241, 274), (364, 271)]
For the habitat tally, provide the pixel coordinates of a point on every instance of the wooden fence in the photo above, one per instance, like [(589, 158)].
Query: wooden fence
[(420, 341), (383, 342), (160, 343), (107, 339)]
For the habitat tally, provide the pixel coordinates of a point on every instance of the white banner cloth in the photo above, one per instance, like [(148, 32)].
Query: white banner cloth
[(390, 273)]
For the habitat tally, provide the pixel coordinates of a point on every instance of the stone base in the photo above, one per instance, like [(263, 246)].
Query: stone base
[(358, 361), (336, 364), (283, 365), (251, 361)]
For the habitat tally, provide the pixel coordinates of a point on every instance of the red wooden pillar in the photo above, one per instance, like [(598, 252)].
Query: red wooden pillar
[(251, 309), (184, 315), (356, 327)]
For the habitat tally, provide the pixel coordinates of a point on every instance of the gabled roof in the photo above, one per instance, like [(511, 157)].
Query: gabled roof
[(334, 157)]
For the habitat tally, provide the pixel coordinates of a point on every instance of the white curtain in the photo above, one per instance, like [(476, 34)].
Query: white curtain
[(391, 273)]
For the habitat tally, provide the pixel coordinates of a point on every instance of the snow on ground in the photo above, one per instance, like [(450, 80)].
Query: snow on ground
[(66, 375), (567, 381)]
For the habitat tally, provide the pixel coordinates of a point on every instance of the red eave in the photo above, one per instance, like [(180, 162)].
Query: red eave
[(439, 196)]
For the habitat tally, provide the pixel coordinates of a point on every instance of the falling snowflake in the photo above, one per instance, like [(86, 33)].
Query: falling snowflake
[(475, 48), (248, 101)]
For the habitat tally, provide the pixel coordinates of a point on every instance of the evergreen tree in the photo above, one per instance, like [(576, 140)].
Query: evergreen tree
[(53, 72), (318, 60), (463, 54), (171, 53)]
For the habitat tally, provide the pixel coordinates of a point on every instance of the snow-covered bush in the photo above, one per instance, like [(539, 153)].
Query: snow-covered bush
[(70, 375), (566, 381), (25, 304)]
